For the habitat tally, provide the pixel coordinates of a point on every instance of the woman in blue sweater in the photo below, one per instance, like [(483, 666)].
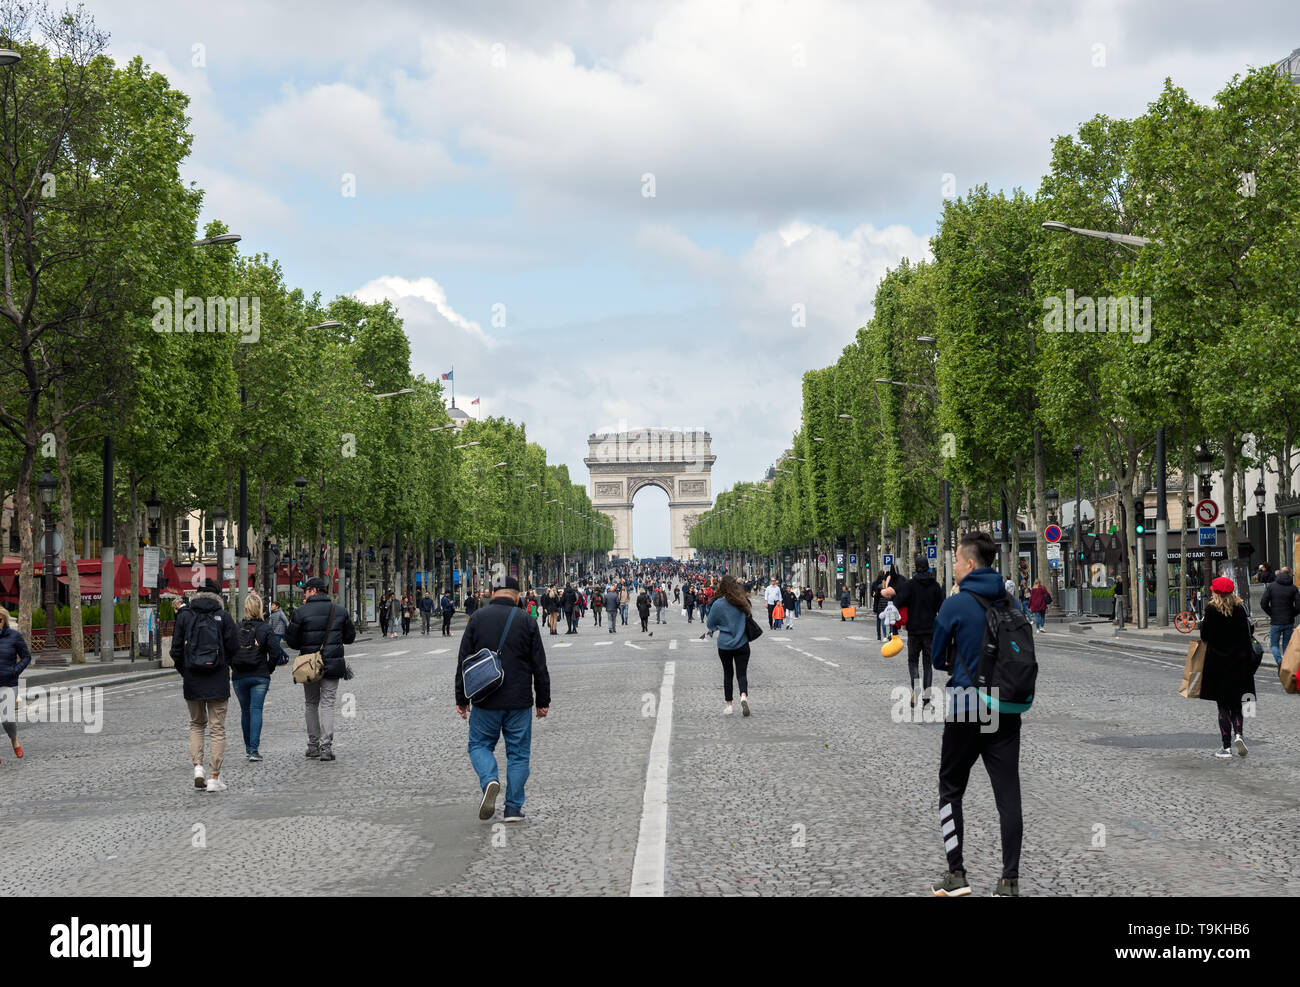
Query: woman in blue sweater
[(727, 617), (14, 659)]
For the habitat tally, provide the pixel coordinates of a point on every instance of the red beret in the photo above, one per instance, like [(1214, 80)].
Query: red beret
[(1222, 584)]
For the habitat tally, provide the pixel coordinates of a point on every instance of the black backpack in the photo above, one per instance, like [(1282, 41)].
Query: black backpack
[(1008, 668), (248, 656), (204, 650)]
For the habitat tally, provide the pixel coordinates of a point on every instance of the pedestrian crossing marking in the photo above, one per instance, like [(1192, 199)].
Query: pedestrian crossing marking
[(438, 651), (562, 644), (603, 644), (852, 637), (672, 644)]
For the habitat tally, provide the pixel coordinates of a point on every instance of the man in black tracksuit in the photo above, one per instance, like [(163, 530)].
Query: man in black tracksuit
[(957, 642), (508, 710), (923, 596)]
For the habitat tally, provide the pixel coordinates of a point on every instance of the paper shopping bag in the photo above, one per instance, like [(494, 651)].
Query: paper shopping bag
[(1290, 663), (1191, 687)]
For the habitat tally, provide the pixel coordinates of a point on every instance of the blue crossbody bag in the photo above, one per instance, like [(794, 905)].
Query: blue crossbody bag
[(482, 672)]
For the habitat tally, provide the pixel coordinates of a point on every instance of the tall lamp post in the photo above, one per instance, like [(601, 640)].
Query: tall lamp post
[(1077, 548), (48, 487), (1261, 495), (1053, 504), (153, 506), (219, 523), (301, 484)]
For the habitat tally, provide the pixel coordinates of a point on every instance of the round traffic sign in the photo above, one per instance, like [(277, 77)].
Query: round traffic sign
[(1053, 533), (1207, 512)]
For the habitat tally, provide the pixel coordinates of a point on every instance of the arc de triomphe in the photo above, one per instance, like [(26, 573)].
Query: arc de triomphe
[(677, 461)]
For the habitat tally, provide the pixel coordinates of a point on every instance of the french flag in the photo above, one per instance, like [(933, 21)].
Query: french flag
[(447, 376)]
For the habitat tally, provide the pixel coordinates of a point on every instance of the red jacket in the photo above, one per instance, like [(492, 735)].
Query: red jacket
[(1038, 599)]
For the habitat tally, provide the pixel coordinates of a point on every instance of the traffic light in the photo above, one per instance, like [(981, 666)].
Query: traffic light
[(1083, 556), (1141, 528)]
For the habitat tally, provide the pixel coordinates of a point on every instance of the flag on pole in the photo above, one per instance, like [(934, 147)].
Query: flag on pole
[(447, 376), (475, 401)]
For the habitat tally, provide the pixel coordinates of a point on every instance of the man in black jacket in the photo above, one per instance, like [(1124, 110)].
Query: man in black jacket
[(1281, 601), (506, 711), (923, 596), (307, 633), (426, 611), (567, 603), (206, 689)]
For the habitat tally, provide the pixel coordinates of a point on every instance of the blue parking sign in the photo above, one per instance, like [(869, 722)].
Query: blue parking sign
[(853, 560), (931, 551), (889, 560)]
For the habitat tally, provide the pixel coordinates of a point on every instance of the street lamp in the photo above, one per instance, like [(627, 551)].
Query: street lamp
[(153, 507), (1077, 452), (467, 445), (220, 238), (9, 57), (48, 487), (219, 522), (327, 324), (1204, 467)]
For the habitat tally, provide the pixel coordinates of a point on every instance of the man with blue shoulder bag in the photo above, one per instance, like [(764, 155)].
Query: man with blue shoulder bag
[(501, 664)]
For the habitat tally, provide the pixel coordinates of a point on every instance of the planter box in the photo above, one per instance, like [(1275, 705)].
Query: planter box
[(89, 634)]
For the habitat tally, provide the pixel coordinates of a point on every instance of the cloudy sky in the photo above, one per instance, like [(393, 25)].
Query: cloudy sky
[(642, 213)]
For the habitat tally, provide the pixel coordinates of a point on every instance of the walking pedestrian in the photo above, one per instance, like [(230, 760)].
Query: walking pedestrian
[(643, 610), (846, 601), (383, 615), (922, 596), (622, 602), (961, 623), (508, 710), (727, 617), (447, 607), (426, 612), (250, 672), (1281, 601), (661, 601), (471, 604), (408, 611), (569, 604), (1039, 598), (611, 607), (597, 604), (202, 641), (772, 596), (318, 625), (14, 659), (279, 621), (551, 607), (689, 600), (1228, 676)]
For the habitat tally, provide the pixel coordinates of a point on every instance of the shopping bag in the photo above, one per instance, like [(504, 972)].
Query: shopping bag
[(1290, 665), (1195, 665), (848, 611)]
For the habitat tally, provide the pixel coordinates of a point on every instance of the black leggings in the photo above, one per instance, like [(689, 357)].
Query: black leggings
[(645, 621), (963, 744), (739, 658), (1229, 720), (446, 624), (918, 650)]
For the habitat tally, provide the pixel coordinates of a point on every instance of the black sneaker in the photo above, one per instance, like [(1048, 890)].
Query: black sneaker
[(514, 815), (1008, 887), (487, 807), (327, 754), (953, 885), (313, 752)]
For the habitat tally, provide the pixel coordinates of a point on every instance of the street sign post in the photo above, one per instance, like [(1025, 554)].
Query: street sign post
[(1209, 536), (1207, 512), (1052, 533), (931, 551), (888, 560)]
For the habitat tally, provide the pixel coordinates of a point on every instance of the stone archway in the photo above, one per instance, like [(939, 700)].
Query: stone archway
[(677, 461)]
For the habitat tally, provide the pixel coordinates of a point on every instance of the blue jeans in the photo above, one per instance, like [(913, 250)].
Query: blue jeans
[(485, 727), (251, 693), (1279, 633), (1024, 605), (1039, 617), (796, 608), (622, 611)]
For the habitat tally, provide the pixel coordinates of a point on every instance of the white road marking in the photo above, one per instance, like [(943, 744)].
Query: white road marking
[(648, 865), (602, 644), (832, 664), (394, 654), (438, 651), (631, 645), (562, 644), (858, 637), (821, 639), (672, 644)]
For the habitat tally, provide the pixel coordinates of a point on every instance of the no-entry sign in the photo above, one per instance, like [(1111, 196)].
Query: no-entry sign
[(1207, 512)]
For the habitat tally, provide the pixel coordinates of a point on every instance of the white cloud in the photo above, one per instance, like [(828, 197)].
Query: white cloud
[(415, 298)]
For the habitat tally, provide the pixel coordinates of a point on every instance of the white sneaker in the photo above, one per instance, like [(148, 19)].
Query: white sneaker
[(216, 785), (728, 711), (1223, 753), (1239, 744), (200, 777)]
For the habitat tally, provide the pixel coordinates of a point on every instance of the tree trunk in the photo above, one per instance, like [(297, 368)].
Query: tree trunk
[(133, 560), (1230, 495), (27, 589), (1040, 504), (1186, 470), (69, 533)]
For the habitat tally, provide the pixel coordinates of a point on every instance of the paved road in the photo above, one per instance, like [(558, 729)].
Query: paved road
[(822, 791)]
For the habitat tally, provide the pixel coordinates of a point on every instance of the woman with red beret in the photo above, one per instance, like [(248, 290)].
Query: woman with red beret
[(1229, 671)]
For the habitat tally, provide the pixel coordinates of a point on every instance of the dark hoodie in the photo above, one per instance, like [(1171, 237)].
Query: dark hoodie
[(1281, 600), (960, 623), (923, 596), (205, 686)]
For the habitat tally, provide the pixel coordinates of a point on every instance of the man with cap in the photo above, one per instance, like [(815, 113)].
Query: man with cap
[(204, 640), (318, 625), (499, 626)]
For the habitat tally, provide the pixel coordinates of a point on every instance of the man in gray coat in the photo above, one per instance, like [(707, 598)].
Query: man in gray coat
[(610, 599)]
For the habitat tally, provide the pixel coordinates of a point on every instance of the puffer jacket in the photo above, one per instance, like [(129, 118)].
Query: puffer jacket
[(1281, 600), (306, 633), (214, 685), (14, 657)]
